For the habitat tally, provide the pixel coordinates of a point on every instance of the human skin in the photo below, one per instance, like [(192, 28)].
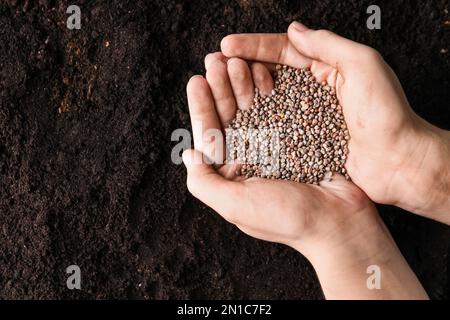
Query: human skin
[(395, 156), (334, 224)]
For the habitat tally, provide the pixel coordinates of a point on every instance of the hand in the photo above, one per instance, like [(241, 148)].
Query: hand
[(334, 225), (394, 156), (280, 211)]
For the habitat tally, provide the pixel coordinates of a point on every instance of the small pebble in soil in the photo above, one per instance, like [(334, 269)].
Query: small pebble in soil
[(298, 133)]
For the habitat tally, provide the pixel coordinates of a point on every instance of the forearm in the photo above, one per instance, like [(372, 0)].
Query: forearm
[(429, 177), (348, 268), (439, 208)]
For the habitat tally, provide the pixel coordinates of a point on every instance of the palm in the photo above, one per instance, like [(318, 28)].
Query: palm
[(377, 118), (213, 103), (333, 223), (375, 107)]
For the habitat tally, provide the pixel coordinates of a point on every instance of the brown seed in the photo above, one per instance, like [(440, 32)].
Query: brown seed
[(308, 122)]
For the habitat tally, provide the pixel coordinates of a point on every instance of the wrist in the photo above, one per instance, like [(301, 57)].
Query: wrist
[(427, 175), (342, 262), (439, 205)]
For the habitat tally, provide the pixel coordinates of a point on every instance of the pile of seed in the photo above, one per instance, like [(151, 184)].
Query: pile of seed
[(303, 119)]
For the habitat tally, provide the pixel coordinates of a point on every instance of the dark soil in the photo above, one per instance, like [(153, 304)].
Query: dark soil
[(94, 184)]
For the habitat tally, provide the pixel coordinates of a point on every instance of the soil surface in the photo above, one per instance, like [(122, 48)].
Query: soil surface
[(86, 118)]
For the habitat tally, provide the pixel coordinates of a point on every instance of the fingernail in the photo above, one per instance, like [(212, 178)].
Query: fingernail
[(299, 26)]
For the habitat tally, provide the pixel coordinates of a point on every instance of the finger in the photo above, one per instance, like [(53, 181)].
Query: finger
[(320, 70), (231, 171), (262, 78), (269, 47), (204, 118), (210, 187), (241, 82), (217, 77), (271, 67), (324, 45), (210, 57)]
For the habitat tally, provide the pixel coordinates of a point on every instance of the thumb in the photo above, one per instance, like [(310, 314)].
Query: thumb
[(324, 45), (207, 185)]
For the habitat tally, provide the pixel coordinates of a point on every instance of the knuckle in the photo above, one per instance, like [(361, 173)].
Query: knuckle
[(216, 68), (258, 78), (323, 33), (259, 74), (236, 67)]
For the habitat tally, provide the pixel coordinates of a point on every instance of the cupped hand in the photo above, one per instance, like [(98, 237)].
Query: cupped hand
[(394, 156), (299, 215), (333, 224)]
